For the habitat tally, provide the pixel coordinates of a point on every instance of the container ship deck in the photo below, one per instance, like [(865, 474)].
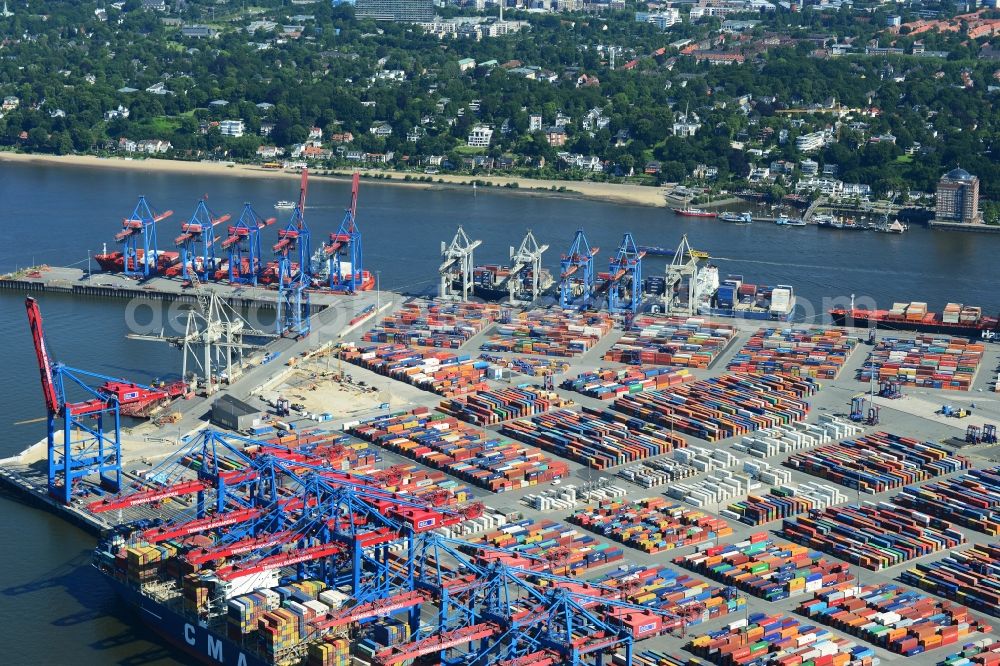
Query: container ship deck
[(956, 319)]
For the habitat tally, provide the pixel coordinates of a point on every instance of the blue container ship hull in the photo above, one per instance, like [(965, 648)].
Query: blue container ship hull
[(182, 633)]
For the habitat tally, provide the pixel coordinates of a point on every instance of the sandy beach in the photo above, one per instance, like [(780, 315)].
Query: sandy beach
[(612, 192)]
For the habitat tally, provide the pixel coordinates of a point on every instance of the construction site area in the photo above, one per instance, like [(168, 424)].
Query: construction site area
[(583, 466)]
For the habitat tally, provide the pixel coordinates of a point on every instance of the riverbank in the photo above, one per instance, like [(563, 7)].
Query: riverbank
[(611, 192)]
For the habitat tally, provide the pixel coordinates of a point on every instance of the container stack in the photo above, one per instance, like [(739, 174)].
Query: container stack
[(662, 587), (984, 652), (651, 525), (551, 545), (677, 341), (470, 453), (144, 562), (653, 658), (783, 502), (195, 592), (704, 460), (330, 652), (893, 617), (429, 484), (608, 384), (657, 472), (776, 640), (796, 436), (594, 438), (424, 324), (441, 372), (279, 630), (568, 496), (725, 406), (874, 537), (878, 462), (801, 351), (527, 365), (928, 361), (972, 500), (492, 406), (490, 520), (971, 577), (720, 486), (771, 570), (243, 613), (550, 333)]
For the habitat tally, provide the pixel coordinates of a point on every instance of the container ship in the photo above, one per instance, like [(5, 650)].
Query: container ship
[(956, 319), (734, 297), (114, 262), (694, 212), (489, 282)]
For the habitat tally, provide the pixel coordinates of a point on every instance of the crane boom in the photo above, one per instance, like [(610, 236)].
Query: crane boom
[(436, 643), (52, 402), (302, 196)]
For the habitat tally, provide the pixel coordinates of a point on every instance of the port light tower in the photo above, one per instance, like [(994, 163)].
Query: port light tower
[(457, 264), (345, 260), (199, 233), (526, 261), (244, 246), (625, 278), (576, 281), (139, 233)]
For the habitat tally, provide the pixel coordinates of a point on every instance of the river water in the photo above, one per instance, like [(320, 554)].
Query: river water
[(54, 610)]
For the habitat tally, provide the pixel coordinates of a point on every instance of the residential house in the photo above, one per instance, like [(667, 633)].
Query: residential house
[(266, 129), (595, 120), (652, 168), (556, 136), (354, 155), (587, 163), (153, 146), (10, 102), (269, 152), (381, 129), (120, 112), (126, 145), (341, 137), (622, 137), (199, 32), (534, 122), (813, 141), (562, 120), (809, 167), (465, 64), (705, 172), (158, 88), (315, 134), (480, 136), (316, 153), (687, 124), (233, 128)]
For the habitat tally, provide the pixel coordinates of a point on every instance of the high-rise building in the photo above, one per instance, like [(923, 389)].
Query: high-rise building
[(958, 197), (402, 11)]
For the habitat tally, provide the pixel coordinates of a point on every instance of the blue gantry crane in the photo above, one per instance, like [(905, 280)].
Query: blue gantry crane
[(244, 246), (197, 240), (576, 285), (140, 254), (625, 278), (267, 511), (294, 278), (345, 259)]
